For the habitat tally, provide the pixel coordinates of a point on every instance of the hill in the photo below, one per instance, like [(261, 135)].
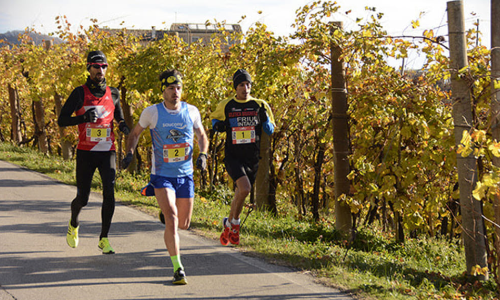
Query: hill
[(11, 37)]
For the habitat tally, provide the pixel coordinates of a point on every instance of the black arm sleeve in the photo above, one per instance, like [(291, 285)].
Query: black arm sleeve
[(74, 103), (118, 115)]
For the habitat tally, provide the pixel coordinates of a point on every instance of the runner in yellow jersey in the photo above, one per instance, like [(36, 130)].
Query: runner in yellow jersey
[(242, 118)]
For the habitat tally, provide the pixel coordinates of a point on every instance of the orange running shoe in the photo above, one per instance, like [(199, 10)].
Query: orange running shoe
[(224, 237), (234, 234)]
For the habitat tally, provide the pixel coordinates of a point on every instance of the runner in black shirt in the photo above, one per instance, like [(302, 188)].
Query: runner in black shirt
[(243, 118)]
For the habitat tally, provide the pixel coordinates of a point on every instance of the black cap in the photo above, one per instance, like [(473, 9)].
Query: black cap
[(96, 57), (240, 76)]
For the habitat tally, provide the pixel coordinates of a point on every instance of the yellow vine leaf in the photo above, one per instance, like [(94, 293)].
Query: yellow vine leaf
[(464, 151), (495, 149), (480, 191), (463, 70), (466, 138), (479, 136), (477, 270), (489, 180), (496, 84)]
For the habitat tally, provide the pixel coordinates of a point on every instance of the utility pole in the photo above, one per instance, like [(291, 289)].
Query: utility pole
[(472, 222), (261, 185), (495, 105), (343, 216)]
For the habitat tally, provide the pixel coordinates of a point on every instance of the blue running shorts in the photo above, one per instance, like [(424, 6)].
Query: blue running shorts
[(183, 186)]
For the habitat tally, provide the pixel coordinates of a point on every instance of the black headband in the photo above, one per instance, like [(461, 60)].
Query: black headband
[(170, 79), (96, 57)]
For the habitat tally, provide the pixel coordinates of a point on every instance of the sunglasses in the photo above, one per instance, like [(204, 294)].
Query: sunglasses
[(99, 66)]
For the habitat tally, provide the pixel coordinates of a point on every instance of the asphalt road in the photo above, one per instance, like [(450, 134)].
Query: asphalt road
[(36, 263)]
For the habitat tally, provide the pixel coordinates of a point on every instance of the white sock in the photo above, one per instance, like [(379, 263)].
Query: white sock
[(235, 221)]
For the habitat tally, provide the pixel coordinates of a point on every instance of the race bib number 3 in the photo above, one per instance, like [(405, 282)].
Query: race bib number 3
[(243, 135), (175, 152), (98, 134)]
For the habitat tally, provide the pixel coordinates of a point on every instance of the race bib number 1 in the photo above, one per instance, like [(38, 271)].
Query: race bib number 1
[(175, 152), (243, 135)]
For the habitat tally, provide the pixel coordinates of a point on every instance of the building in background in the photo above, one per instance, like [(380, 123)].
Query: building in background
[(188, 32), (192, 33)]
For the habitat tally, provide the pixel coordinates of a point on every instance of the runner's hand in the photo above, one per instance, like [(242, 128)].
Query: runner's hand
[(126, 161), (201, 162), (220, 126), (124, 128), (90, 115)]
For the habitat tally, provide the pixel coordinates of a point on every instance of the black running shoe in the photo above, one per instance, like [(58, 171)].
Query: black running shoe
[(161, 217), (179, 277)]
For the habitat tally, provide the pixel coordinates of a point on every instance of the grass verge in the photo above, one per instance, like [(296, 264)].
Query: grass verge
[(373, 266)]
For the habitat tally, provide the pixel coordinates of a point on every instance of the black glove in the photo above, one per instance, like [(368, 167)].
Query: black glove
[(263, 114), (220, 126), (126, 161), (201, 162), (124, 128), (90, 115)]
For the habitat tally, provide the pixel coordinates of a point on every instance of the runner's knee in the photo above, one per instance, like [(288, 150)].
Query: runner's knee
[(82, 199), (184, 225)]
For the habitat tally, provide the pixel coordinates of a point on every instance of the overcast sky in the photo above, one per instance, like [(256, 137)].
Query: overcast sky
[(278, 15)]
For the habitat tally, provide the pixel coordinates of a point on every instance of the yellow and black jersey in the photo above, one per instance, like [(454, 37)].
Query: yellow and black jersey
[(244, 121)]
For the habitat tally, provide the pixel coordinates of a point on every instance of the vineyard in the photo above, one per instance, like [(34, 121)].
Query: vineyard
[(402, 152)]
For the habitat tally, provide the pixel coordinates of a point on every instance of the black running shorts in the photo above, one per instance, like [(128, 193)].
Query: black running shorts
[(238, 167)]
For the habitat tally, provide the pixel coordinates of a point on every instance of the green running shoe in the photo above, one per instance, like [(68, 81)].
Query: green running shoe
[(72, 236), (105, 246), (179, 277)]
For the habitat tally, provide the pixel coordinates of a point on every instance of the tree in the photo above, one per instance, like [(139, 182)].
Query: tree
[(14, 113)]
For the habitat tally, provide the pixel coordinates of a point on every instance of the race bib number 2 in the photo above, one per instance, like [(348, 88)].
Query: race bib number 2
[(243, 135), (175, 152)]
